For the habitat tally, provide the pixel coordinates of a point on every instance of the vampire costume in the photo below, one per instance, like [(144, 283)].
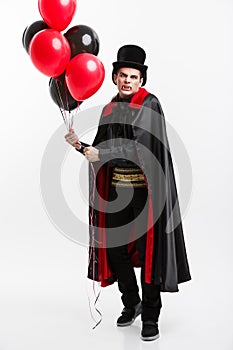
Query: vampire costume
[(132, 135), (166, 260)]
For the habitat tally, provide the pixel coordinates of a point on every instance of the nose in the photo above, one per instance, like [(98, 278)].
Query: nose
[(127, 79)]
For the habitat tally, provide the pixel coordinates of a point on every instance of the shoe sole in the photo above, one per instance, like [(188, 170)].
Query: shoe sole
[(127, 323), (150, 338)]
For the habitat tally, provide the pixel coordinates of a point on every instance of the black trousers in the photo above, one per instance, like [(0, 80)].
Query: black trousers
[(117, 248)]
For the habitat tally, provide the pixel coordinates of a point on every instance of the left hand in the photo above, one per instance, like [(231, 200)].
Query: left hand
[(91, 153), (73, 139)]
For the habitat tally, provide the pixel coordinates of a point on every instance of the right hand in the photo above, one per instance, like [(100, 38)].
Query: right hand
[(73, 139)]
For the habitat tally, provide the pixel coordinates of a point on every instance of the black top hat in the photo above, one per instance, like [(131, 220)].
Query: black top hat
[(131, 56)]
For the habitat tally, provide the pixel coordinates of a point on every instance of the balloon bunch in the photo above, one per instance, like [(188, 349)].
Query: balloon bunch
[(69, 59)]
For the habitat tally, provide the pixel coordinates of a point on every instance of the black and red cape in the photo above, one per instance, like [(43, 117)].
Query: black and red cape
[(166, 261)]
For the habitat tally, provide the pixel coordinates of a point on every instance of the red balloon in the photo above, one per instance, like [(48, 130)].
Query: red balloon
[(57, 13), (84, 75), (50, 52)]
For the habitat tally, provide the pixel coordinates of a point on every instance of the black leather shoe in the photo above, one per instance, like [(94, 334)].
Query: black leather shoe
[(128, 315), (150, 330)]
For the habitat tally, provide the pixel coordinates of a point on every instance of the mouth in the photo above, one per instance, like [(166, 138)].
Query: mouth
[(126, 88)]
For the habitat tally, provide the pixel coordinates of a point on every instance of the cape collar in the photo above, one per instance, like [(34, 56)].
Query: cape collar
[(136, 101)]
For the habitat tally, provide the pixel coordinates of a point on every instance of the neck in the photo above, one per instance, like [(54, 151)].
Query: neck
[(124, 99)]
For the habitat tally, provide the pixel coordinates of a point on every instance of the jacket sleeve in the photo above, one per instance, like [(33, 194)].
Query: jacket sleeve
[(125, 151), (83, 145)]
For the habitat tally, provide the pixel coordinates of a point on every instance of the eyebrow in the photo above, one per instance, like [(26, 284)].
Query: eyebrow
[(131, 76)]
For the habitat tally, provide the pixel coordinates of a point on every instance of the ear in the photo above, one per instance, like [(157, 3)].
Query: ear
[(141, 81), (115, 78)]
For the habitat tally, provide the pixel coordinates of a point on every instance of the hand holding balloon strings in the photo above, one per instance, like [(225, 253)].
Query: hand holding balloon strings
[(73, 139), (69, 60)]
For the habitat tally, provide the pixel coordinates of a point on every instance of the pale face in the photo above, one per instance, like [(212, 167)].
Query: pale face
[(128, 81)]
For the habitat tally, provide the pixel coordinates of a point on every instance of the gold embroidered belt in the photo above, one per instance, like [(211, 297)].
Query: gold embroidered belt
[(128, 177)]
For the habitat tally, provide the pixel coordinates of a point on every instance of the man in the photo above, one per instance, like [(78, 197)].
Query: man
[(134, 211)]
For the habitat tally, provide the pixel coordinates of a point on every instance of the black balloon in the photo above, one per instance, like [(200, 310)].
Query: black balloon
[(23, 37), (82, 39), (61, 95), (30, 31)]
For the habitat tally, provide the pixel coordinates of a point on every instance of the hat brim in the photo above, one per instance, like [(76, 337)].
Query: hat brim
[(120, 64)]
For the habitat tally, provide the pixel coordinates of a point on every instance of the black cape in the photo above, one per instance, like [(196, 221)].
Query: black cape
[(166, 261)]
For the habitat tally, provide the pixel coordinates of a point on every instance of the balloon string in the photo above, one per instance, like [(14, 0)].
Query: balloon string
[(92, 251), (66, 94), (92, 255), (73, 113), (70, 118), (90, 309), (58, 103), (101, 317), (89, 303), (62, 109)]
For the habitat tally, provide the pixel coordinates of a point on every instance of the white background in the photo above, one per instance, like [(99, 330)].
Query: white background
[(43, 285)]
